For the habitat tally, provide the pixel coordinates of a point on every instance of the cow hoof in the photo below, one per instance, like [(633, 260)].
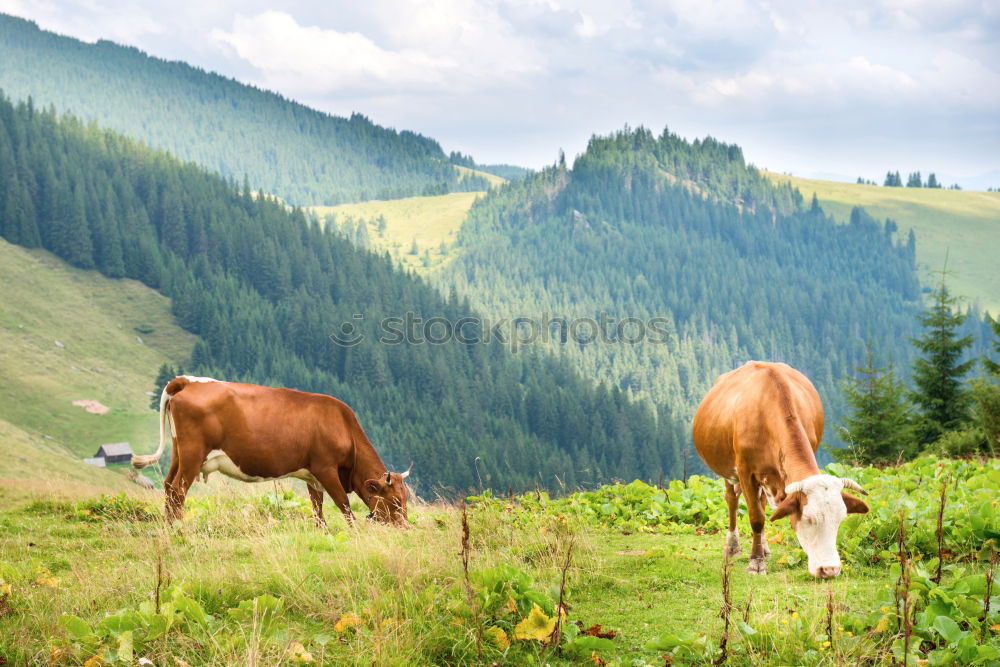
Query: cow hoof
[(767, 551), (757, 566)]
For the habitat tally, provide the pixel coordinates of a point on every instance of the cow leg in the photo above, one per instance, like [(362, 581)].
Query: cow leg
[(758, 554), (331, 482), (192, 457), (733, 536), (171, 506), (763, 511), (316, 496)]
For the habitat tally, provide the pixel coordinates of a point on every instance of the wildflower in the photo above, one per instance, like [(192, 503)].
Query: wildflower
[(5, 590), (348, 621), (826, 644), (885, 609), (784, 621)]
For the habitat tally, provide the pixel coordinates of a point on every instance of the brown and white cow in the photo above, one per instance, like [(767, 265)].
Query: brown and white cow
[(255, 434), (758, 428)]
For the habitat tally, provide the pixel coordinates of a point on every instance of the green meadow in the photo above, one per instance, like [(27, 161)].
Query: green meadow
[(958, 225)]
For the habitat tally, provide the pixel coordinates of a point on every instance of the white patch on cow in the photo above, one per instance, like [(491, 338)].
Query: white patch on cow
[(822, 514), (194, 378), (732, 542), (218, 461)]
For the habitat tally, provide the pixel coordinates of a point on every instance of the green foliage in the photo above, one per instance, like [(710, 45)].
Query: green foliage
[(300, 154), (118, 507), (937, 374), (648, 226), (879, 429), (973, 516), (986, 409), (264, 288)]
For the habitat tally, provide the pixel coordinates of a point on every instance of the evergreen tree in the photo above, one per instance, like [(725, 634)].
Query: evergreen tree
[(914, 180), (932, 181), (879, 428), (943, 401), (992, 367), (165, 375)]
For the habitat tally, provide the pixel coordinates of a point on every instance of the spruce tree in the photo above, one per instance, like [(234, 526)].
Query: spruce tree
[(992, 367), (165, 375), (939, 393), (880, 425)]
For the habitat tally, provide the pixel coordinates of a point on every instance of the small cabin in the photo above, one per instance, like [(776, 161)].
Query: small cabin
[(115, 452), (96, 461)]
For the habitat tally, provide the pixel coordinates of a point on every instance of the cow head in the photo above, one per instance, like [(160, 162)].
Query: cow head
[(816, 506), (387, 497)]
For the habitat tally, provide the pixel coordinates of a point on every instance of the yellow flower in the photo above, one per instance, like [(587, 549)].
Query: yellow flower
[(850, 634), (885, 609), (536, 626), (784, 621), (779, 538), (5, 590), (783, 560), (825, 644), (299, 653), (348, 621), (795, 614), (498, 637), (883, 623)]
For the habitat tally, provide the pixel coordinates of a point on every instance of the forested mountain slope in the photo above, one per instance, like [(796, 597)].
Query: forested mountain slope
[(645, 226), (302, 155), (264, 289)]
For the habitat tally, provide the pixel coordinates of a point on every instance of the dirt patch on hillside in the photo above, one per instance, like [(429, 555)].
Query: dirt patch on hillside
[(92, 406)]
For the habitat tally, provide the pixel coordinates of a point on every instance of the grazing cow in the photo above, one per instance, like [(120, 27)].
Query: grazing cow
[(255, 434), (758, 428)]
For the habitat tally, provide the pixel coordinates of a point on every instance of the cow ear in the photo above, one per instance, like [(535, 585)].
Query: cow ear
[(373, 486), (789, 505), (854, 505)]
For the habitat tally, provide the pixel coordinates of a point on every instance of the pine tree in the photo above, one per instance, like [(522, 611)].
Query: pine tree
[(932, 181), (914, 180), (165, 375), (943, 401), (992, 367), (880, 426)]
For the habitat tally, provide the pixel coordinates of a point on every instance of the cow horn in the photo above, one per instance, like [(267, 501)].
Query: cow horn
[(794, 487), (853, 486), (388, 478), (404, 475)]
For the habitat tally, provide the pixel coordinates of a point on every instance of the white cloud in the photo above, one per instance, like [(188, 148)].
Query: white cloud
[(308, 58)]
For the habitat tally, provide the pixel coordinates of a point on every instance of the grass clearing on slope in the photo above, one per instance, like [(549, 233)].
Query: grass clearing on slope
[(494, 180), (99, 322), (432, 223), (963, 224)]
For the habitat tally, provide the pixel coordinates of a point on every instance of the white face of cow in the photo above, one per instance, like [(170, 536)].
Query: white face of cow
[(817, 506)]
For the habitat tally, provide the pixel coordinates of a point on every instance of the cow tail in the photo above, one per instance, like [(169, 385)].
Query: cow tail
[(168, 392)]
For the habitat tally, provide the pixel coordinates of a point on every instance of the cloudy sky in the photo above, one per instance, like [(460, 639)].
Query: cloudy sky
[(850, 88)]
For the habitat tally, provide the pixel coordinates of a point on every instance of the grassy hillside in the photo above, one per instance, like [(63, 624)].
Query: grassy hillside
[(494, 180), (963, 224), (431, 222), (99, 323), (282, 591)]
